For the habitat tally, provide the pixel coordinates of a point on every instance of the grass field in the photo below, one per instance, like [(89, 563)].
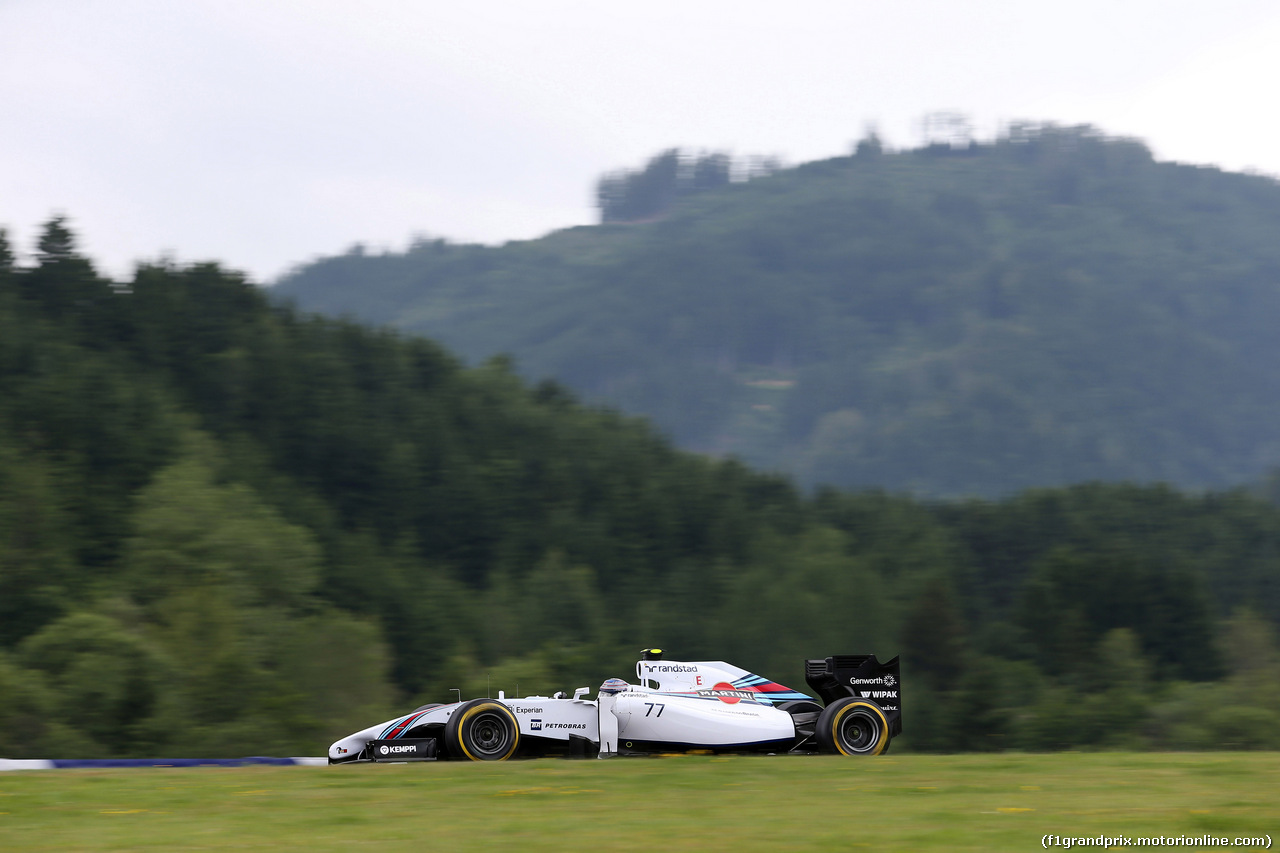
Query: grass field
[(909, 802)]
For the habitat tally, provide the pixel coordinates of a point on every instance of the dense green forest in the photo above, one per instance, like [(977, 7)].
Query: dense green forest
[(1047, 308), (230, 528)]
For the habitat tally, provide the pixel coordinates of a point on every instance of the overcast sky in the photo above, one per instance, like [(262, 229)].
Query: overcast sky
[(266, 133)]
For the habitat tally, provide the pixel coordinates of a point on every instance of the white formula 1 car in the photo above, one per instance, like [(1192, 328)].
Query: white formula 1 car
[(674, 706)]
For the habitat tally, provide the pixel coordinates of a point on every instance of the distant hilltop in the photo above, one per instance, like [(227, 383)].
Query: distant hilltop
[(965, 318)]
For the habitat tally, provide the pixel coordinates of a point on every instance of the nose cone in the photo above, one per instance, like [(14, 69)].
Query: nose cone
[(346, 749)]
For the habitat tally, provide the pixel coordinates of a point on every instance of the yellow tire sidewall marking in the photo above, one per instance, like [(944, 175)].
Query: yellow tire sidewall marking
[(884, 731), (502, 710)]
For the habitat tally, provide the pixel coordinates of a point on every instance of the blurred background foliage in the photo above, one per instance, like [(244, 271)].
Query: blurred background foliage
[(230, 528)]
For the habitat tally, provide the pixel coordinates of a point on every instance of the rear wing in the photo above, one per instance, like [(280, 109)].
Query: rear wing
[(860, 676)]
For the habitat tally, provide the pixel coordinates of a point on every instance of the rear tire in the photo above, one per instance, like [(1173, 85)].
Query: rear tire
[(852, 726), (482, 730)]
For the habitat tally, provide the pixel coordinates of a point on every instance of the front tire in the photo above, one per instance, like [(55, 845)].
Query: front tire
[(852, 726), (482, 730)]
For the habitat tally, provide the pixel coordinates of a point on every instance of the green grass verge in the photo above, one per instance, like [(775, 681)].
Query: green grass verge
[(911, 802)]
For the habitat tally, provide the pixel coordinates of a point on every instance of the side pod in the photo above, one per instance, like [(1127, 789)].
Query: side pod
[(860, 676)]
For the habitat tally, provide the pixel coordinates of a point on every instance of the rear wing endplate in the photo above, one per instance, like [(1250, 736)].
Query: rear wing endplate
[(861, 676)]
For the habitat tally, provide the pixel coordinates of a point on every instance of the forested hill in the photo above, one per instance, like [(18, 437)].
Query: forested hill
[(1051, 307), (227, 528)]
